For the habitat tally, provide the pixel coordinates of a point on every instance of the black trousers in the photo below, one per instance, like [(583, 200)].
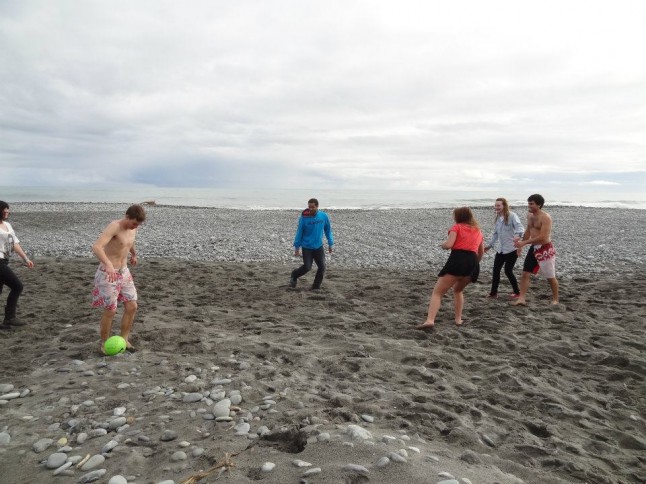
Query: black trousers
[(8, 278), (507, 260), (309, 256)]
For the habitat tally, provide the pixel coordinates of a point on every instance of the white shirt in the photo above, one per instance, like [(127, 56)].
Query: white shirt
[(7, 240)]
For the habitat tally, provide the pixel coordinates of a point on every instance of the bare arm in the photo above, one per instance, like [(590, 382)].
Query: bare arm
[(448, 243), (21, 253), (133, 255), (99, 249), (481, 251), (543, 236), (519, 243)]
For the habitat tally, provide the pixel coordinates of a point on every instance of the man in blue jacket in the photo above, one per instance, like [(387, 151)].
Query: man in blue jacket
[(309, 237)]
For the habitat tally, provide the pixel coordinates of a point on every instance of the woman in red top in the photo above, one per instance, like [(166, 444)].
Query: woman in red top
[(465, 241)]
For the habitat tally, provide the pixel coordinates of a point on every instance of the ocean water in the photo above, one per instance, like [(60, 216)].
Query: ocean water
[(270, 199)]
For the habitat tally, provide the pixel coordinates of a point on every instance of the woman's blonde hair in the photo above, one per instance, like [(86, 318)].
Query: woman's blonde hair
[(505, 209)]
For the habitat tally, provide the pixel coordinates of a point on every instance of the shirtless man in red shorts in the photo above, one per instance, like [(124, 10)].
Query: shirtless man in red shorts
[(113, 281), (541, 255)]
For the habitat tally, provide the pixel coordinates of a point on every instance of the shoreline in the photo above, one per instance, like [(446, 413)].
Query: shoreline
[(39, 205)]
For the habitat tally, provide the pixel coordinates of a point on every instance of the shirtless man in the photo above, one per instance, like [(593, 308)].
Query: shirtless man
[(541, 255), (113, 281)]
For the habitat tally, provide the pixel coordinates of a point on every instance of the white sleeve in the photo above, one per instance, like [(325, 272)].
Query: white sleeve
[(12, 233)]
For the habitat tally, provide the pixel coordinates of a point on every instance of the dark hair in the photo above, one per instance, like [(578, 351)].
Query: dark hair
[(505, 209), (314, 201), (136, 212), (537, 199), (464, 215), (3, 205)]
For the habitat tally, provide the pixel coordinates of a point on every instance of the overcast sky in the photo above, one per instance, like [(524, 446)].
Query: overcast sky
[(332, 94)]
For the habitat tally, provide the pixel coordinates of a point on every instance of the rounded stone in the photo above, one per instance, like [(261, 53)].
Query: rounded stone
[(242, 428), (168, 435), (383, 462), (178, 456), (56, 460), (94, 461), (268, 467), (118, 480), (470, 457), (92, 476), (5, 388), (41, 445), (192, 397), (355, 468), (117, 422)]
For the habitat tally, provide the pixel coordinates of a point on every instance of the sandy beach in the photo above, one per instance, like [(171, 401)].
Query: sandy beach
[(239, 378)]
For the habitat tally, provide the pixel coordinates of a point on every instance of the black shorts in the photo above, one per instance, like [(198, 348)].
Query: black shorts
[(530, 264), (462, 263)]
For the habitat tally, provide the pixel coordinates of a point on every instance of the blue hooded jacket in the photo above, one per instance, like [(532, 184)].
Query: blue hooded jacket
[(309, 234)]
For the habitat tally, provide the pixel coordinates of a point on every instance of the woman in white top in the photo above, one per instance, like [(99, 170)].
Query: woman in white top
[(9, 243), (508, 228)]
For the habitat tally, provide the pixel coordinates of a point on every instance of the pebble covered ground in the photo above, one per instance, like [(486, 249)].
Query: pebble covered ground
[(257, 386), (588, 240)]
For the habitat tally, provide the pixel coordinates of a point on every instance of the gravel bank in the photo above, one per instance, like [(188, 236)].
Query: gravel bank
[(588, 240)]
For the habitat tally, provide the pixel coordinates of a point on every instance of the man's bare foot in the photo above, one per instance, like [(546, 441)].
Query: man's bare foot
[(425, 326), (519, 302)]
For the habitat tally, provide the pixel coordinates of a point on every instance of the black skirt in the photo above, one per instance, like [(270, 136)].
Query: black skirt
[(462, 263)]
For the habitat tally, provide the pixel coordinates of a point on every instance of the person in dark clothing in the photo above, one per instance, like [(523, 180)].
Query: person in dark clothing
[(9, 243)]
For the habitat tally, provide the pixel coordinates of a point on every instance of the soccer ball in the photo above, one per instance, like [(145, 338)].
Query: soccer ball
[(114, 345)]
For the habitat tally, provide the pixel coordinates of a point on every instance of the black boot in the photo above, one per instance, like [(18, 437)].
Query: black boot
[(10, 317)]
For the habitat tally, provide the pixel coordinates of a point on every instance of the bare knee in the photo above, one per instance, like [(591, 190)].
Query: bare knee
[(109, 313), (130, 306)]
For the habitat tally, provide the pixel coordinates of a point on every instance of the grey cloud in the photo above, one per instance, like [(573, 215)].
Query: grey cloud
[(338, 95)]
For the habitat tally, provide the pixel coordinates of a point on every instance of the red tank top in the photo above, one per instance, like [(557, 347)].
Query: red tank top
[(469, 238)]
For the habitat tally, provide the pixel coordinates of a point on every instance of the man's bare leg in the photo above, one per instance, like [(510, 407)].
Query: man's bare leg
[(524, 286), (129, 311), (105, 327), (555, 289), (442, 285)]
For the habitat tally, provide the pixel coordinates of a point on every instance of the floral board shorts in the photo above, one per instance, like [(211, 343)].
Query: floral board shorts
[(543, 258), (106, 293)]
